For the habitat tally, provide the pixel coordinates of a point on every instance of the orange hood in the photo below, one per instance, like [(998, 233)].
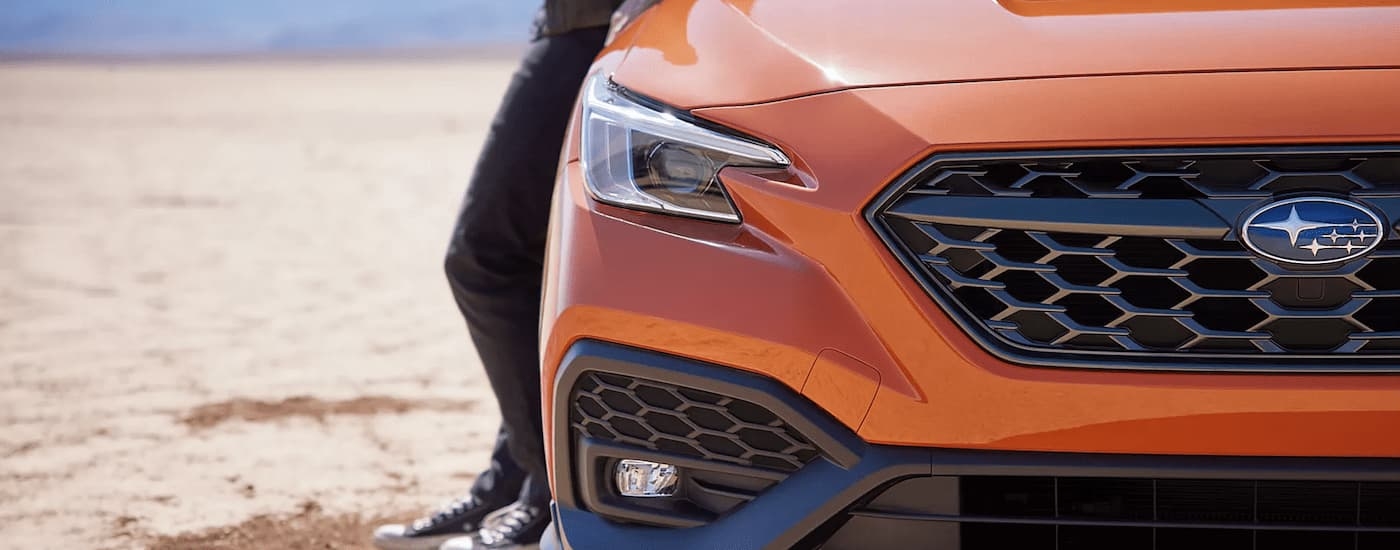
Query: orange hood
[(702, 53)]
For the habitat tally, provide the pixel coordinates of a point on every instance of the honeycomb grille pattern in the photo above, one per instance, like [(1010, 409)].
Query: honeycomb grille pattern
[(1170, 176), (1094, 292), (1147, 288), (686, 421)]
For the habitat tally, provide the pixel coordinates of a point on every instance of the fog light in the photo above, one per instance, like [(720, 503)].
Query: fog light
[(641, 478)]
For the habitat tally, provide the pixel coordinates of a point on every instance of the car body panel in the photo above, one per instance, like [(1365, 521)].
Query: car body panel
[(805, 273), (805, 293), (695, 53)]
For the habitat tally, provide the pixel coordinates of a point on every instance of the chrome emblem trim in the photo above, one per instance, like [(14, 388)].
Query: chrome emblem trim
[(1313, 231)]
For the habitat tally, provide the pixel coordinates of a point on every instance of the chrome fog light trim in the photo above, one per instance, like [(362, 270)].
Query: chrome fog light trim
[(646, 479)]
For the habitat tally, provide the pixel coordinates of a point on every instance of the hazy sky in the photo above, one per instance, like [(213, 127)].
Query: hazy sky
[(207, 26)]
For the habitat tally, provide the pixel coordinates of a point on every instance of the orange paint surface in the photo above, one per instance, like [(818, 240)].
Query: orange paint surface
[(805, 281), (843, 386)]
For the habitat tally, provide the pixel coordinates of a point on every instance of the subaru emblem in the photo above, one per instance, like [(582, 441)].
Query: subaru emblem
[(1313, 231)]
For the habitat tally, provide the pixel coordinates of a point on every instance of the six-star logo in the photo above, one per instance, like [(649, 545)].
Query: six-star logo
[(1313, 231)]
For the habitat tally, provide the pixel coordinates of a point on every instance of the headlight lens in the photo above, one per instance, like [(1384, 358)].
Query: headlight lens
[(641, 157)]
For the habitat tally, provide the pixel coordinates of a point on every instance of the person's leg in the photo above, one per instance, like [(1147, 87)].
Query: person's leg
[(495, 488), (503, 477), (496, 259), (495, 263)]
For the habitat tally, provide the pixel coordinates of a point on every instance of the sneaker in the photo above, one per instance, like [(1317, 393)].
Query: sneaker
[(454, 519), (515, 527)]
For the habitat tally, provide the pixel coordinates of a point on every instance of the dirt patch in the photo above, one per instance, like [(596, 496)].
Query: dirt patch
[(125, 527), (264, 230), (23, 448), (310, 528), (251, 410)]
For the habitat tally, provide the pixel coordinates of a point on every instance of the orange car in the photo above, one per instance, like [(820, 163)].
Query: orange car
[(1026, 274)]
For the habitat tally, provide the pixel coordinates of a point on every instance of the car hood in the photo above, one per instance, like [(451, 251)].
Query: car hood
[(698, 53)]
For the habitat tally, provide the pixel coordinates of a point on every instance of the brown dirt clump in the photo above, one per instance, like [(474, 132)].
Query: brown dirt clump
[(309, 529), (252, 410)]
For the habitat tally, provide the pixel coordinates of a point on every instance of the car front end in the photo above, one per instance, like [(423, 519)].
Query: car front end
[(943, 274)]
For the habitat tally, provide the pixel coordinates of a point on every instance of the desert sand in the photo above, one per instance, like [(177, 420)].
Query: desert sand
[(223, 320)]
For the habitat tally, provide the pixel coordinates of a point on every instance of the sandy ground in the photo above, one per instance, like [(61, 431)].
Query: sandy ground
[(223, 322)]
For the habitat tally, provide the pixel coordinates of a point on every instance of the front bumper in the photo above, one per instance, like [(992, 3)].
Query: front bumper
[(804, 296), (858, 495), (805, 292)]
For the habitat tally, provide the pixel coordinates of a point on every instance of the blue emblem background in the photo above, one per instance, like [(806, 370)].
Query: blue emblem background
[(1314, 230)]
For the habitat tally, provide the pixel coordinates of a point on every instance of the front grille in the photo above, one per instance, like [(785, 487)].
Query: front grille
[(1112, 292), (1064, 513), (1167, 175), (1071, 255), (664, 417)]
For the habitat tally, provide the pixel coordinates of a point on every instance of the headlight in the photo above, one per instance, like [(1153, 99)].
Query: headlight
[(637, 156)]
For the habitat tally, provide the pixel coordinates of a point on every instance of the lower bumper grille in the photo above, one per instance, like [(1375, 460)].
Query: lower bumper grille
[(994, 512), (661, 416), (731, 434)]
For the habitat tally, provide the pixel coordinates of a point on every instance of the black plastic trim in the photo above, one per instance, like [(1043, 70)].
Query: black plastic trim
[(1119, 360), (836, 443), (946, 518), (785, 515), (961, 462), (1179, 218), (779, 519), (591, 451)]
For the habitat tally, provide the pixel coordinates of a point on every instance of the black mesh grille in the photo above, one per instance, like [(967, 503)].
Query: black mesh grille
[(1191, 176), (1209, 502), (1139, 293), (1157, 275), (665, 417), (984, 513)]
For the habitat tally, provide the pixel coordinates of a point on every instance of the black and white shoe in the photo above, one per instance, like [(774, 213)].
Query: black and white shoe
[(515, 527), (455, 519)]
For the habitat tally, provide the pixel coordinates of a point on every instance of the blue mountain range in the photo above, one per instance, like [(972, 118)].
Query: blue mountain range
[(183, 27)]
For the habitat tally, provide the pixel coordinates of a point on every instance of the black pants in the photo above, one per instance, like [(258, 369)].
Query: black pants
[(495, 263)]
